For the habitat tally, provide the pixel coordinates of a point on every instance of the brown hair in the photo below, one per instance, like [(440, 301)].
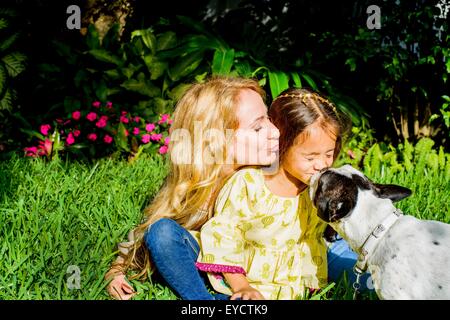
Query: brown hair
[(295, 109)]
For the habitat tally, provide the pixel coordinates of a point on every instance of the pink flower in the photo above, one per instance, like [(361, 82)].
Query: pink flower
[(150, 127), (166, 140), (70, 139), (146, 138), (109, 105), (124, 119), (45, 147), (45, 128), (76, 133), (108, 139), (67, 122), (170, 121), (30, 152), (91, 116), (96, 104), (126, 133), (156, 136), (164, 118), (137, 119), (92, 136), (135, 131), (76, 115), (102, 122), (163, 150)]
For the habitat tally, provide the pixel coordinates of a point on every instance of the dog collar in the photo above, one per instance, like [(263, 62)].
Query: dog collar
[(373, 238)]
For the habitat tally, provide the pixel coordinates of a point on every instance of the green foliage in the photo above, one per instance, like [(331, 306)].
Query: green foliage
[(405, 65), (12, 61), (135, 73), (241, 62), (383, 160), (356, 146), (444, 113), (147, 73)]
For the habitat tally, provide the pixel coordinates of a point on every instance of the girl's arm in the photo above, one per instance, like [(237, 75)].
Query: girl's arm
[(241, 288)]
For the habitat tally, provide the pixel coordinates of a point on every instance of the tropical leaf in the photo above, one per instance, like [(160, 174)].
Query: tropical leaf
[(310, 81), (243, 68), (157, 68), (3, 23), (166, 41), (14, 63), (147, 37), (8, 99), (178, 91), (160, 105), (185, 65), (296, 78), (6, 44), (92, 38), (113, 74), (193, 43), (278, 82), (105, 56), (222, 61)]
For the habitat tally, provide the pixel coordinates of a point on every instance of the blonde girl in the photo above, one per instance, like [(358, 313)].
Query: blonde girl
[(217, 107), (265, 240)]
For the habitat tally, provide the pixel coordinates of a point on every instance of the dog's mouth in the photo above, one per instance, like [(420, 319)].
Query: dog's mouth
[(334, 218)]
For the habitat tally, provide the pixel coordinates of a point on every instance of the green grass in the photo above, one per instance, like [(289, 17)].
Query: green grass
[(56, 215)]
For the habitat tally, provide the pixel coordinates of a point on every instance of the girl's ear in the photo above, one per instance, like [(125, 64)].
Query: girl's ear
[(392, 191)]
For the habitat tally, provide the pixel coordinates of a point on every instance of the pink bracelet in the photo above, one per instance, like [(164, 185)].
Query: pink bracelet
[(219, 268)]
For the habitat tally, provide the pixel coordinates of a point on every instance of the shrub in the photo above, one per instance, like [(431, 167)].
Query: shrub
[(99, 131)]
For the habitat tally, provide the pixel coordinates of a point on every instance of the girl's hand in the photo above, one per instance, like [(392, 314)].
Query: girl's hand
[(247, 293), (119, 288)]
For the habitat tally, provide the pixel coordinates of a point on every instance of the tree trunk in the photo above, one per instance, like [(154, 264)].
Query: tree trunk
[(104, 14)]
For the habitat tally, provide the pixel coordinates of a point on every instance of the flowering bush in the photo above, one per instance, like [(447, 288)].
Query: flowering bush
[(101, 130)]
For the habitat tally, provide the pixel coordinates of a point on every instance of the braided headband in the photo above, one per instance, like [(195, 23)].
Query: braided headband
[(304, 96)]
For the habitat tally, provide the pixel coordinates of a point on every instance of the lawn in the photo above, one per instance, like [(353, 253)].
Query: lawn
[(58, 218)]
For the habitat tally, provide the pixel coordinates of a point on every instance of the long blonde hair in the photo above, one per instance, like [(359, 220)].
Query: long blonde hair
[(190, 186)]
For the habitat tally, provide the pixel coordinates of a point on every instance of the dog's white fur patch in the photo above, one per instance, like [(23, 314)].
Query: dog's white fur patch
[(411, 261)]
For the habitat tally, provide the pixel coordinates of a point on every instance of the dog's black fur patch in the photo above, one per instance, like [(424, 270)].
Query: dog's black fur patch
[(335, 197), (337, 194)]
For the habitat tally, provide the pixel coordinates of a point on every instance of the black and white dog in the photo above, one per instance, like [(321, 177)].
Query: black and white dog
[(408, 258)]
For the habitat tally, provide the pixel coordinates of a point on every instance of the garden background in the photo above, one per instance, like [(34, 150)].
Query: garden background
[(84, 113)]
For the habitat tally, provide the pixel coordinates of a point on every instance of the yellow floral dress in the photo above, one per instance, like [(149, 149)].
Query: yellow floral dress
[(277, 242)]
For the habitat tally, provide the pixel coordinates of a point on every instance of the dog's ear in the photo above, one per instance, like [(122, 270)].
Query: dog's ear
[(392, 191), (331, 210)]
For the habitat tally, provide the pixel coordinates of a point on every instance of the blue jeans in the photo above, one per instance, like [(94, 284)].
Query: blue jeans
[(174, 252), (341, 258)]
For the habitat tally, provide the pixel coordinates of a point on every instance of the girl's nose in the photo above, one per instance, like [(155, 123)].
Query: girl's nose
[(320, 164)]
